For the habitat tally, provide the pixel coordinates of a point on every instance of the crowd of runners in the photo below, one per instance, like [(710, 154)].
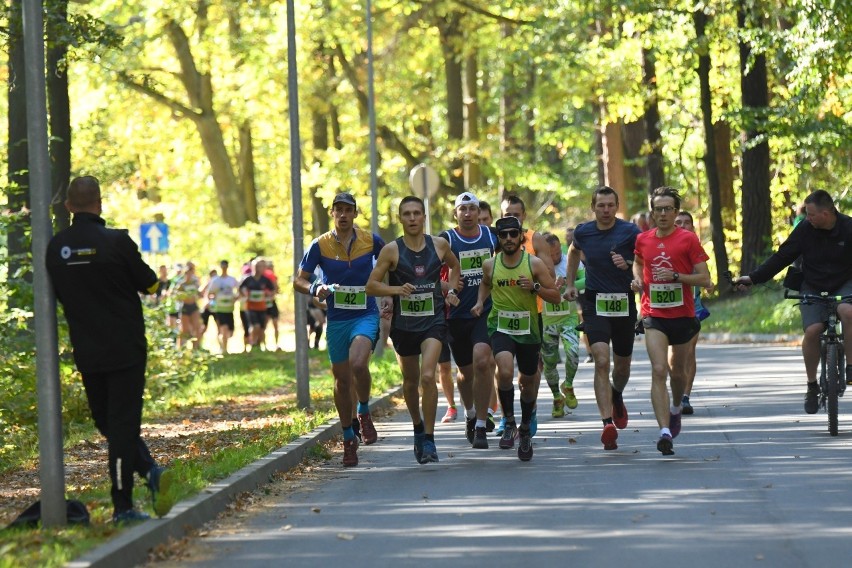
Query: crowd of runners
[(496, 295)]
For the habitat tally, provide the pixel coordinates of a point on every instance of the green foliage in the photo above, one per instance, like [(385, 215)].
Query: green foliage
[(763, 310)]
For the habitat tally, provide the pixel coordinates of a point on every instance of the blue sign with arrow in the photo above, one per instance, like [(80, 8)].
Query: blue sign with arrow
[(154, 237)]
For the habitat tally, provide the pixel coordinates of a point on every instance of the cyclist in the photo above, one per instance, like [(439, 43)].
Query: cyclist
[(824, 241)]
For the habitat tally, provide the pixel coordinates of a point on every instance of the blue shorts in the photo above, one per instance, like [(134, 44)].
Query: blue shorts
[(339, 335)]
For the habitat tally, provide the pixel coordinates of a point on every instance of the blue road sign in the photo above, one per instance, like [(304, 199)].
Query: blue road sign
[(154, 237)]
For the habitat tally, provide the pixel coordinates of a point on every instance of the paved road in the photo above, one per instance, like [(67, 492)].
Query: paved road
[(754, 482)]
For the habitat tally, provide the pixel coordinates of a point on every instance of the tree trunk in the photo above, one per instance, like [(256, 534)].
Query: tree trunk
[(451, 37), (756, 203), (247, 179), (656, 169), (617, 176), (199, 89), (725, 167), (635, 164), (472, 172), (600, 144), (60, 111), (17, 156), (720, 253)]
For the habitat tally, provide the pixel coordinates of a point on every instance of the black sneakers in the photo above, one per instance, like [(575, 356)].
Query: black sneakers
[(812, 398)]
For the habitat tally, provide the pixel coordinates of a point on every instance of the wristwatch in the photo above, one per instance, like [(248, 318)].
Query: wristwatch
[(675, 276), (536, 287)]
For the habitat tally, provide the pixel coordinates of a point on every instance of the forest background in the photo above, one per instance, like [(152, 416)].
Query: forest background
[(181, 110)]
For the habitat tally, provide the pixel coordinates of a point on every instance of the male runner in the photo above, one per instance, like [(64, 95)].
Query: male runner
[(472, 244), (609, 308), (669, 260), (419, 327), (346, 255), (515, 280)]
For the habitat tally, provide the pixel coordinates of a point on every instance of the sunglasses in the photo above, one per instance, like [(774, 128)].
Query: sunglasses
[(509, 233)]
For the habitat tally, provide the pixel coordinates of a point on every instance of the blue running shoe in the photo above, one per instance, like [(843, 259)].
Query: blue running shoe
[(160, 481), (501, 427), (419, 442), (430, 452), (130, 516)]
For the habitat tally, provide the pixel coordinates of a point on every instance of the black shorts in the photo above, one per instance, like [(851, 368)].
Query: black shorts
[(526, 354), (677, 330), (272, 311), (620, 332), (407, 343), (224, 319), (445, 353), (256, 318), (188, 309), (465, 333)]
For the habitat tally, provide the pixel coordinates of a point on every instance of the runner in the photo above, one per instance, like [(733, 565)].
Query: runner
[(560, 322), (515, 280), (668, 261), (419, 327), (254, 291), (609, 308), (472, 244), (346, 255), (222, 292), (185, 290), (684, 221)]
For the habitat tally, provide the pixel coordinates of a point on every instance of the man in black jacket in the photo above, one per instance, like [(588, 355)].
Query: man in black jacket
[(824, 241), (97, 274)]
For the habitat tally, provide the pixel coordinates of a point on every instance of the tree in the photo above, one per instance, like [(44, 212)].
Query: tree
[(756, 203)]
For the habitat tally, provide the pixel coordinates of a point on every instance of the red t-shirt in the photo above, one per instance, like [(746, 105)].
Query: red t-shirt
[(679, 251)]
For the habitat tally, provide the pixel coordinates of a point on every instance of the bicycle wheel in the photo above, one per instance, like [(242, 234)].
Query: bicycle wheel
[(831, 378)]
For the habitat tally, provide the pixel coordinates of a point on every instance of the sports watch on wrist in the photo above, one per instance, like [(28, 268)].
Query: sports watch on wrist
[(536, 287)]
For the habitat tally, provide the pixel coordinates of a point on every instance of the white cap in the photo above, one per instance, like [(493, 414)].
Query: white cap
[(466, 198)]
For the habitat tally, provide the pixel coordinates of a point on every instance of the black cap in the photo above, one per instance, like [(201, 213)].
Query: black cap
[(344, 197), (505, 223)]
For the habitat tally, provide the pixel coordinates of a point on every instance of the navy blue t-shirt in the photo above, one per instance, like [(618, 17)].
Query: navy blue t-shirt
[(601, 274)]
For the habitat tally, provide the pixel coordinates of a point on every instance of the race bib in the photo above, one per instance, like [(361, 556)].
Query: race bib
[(224, 303), (513, 323), (612, 305), (563, 308), (256, 296), (350, 298), (666, 295), (471, 261), (417, 305)]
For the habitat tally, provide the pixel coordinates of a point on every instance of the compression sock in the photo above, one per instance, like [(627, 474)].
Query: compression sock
[(419, 428), (526, 411), (348, 433), (507, 401)]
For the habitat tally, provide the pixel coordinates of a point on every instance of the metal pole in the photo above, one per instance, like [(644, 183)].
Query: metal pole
[(303, 387), (51, 466), (371, 112), (426, 203)]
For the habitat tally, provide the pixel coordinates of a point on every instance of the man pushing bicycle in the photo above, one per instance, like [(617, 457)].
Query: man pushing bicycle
[(824, 241)]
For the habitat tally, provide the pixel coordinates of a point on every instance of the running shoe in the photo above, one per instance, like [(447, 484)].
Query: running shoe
[(489, 423), (350, 452), (419, 441), (674, 424), (130, 516), (558, 406), (812, 398), (501, 427), (609, 436), (368, 430), (665, 446), (480, 439), (507, 440), (687, 408), (159, 481), (525, 447), (430, 452), (589, 359), (534, 421), (619, 411), (451, 415), (570, 398), (469, 427), (356, 427)]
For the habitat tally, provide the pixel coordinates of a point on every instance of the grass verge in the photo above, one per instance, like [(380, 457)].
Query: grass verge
[(249, 401), (762, 310)]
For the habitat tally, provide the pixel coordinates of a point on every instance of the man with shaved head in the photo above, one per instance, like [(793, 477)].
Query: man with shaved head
[(98, 274)]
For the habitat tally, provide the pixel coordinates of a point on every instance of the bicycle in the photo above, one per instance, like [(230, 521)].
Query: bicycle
[(832, 369)]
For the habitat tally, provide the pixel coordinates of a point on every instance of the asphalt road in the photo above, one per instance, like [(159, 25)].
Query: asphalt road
[(754, 482)]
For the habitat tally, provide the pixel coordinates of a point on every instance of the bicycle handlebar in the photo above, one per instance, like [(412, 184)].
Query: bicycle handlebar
[(822, 297)]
